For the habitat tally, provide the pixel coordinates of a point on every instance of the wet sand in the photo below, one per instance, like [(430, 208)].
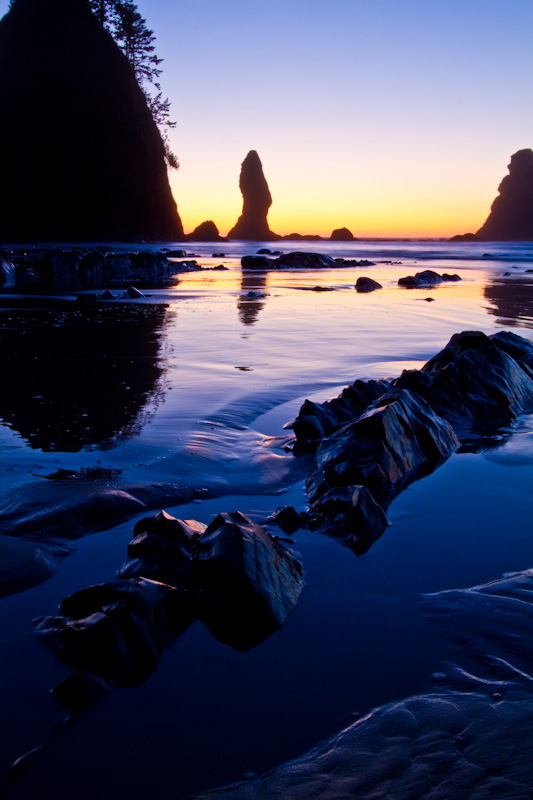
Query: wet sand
[(214, 373)]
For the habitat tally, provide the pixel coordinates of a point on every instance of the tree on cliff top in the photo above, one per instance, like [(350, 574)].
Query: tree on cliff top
[(130, 31)]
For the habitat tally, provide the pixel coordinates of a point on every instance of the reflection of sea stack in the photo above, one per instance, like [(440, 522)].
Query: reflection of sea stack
[(252, 225), (80, 155), (511, 216)]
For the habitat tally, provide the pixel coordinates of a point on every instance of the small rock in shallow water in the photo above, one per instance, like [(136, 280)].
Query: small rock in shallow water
[(364, 284)]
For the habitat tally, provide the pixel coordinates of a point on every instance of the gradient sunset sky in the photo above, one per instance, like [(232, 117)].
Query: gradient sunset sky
[(389, 117)]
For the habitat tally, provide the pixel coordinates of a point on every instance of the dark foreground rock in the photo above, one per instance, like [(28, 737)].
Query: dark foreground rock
[(511, 214), (117, 631), (232, 575), (383, 435), (81, 158), (248, 582), (396, 440), (252, 225), (162, 549)]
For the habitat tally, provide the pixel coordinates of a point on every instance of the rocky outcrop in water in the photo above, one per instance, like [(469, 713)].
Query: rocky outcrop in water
[(364, 285), (382, 435), (78, 268), (80, 155), (289, 261), (232, 575), (511, 214), (342, 235), (206, 232), (427, 278), (252, 225)]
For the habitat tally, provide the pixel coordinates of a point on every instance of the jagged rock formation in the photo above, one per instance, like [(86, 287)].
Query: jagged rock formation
[(252, 225), (342, 235), (80, 155), (382, 435), (206, 232), (232, 575), (511, 215)]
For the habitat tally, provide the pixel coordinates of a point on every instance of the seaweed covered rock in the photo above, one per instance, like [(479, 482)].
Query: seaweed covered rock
[(248, 582), (80, 154)]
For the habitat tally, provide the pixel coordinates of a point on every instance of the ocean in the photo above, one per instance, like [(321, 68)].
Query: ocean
[(192, 386)]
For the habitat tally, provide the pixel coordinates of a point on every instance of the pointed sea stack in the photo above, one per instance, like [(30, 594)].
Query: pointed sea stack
[(252, 225), (511, 215), (80, 155)]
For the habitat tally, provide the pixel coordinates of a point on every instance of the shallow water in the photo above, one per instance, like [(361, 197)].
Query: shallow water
[(192, 393)]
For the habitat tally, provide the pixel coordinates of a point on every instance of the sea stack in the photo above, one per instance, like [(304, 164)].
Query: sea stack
[(206, 232), (342, 235), (80, 155), (511, 215), (252, 225)]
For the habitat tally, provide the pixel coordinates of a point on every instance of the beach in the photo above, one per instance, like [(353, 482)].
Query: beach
[(182, 397)]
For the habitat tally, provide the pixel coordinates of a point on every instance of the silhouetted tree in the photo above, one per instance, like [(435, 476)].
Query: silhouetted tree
[(129, 29), (104, 11)]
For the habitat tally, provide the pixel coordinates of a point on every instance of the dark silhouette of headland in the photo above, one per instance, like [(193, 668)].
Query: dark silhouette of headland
[(252, 225), (81, 157), (511, 213)]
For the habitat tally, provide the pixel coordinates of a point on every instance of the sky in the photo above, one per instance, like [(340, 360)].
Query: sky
[(393, 118)]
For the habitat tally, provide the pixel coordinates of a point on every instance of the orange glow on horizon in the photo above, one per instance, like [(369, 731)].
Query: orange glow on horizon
[(372, 213)]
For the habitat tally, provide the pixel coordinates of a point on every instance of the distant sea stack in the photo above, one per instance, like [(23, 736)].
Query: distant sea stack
[(342, 235), (511, 215), (206, 232), (252, 225), (80, 155)]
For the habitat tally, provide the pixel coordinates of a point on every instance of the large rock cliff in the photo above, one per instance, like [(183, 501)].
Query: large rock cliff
[(511, 215), (252, 225), (80, 155)]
